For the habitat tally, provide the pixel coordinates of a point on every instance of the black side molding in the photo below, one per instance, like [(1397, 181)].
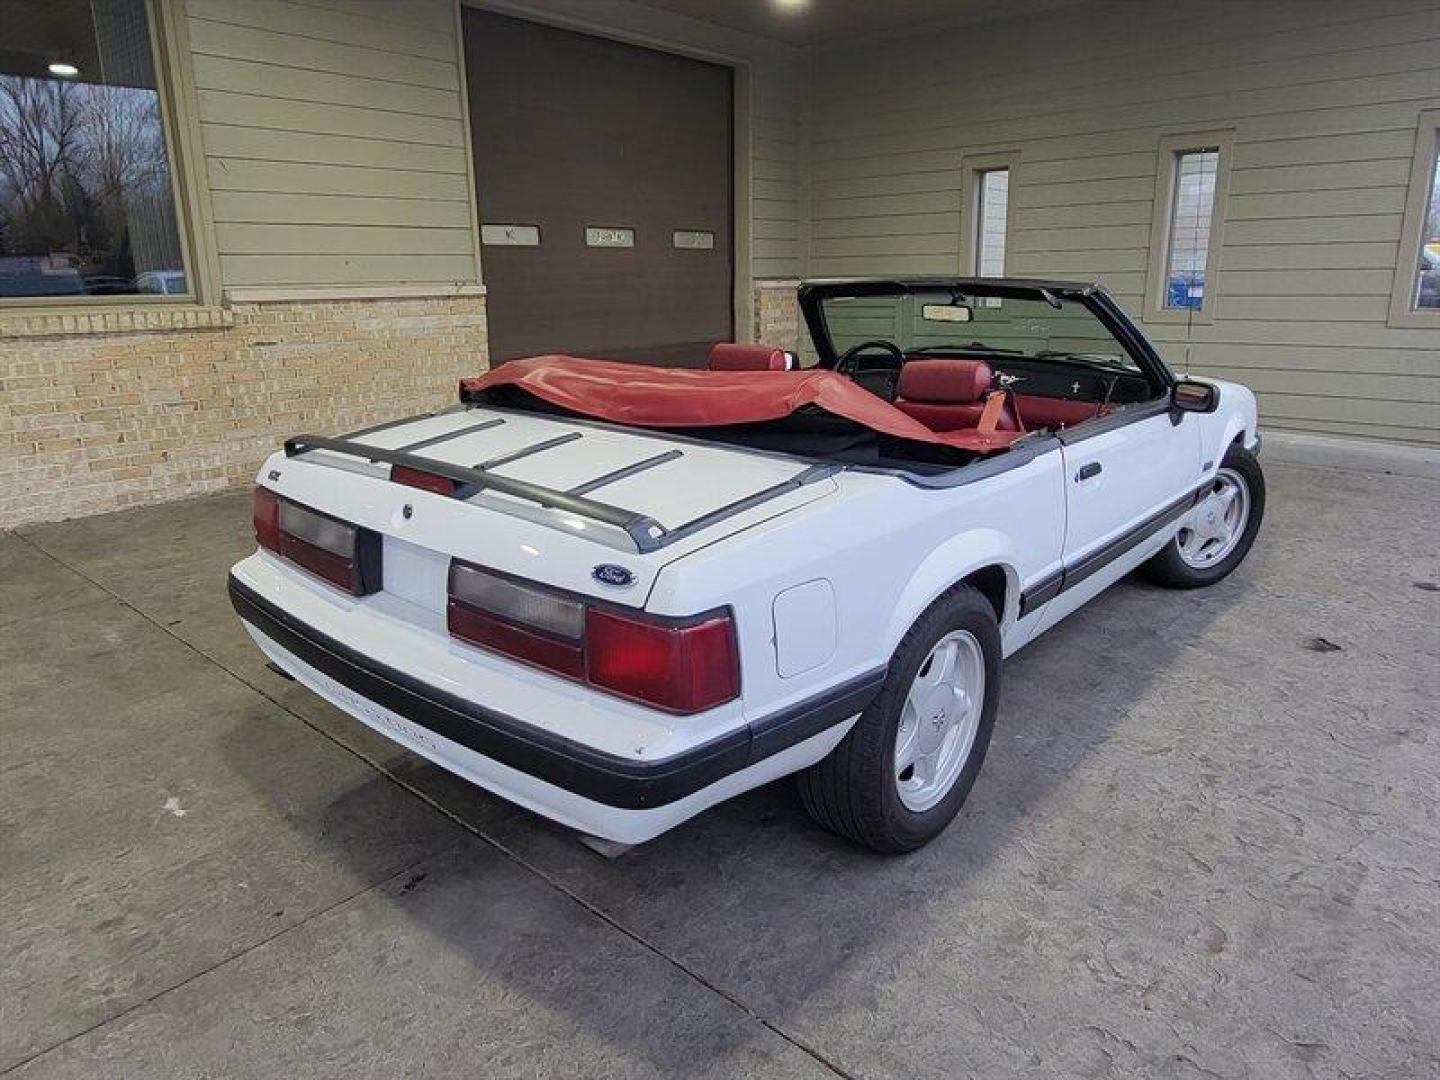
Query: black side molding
[(1052, 585), (592, 774)]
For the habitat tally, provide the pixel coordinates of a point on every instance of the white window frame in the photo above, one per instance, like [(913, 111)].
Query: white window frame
[(1403, 313), (1167, 162), (972, 169)]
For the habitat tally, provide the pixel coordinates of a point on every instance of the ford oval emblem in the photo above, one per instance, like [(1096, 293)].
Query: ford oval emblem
[(610, 574)]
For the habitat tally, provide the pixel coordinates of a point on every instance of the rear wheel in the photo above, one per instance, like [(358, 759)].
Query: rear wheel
[(904, 770), (1215, 537)]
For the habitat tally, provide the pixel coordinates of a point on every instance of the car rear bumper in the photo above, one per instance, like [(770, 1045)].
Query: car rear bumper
[(602, 793)]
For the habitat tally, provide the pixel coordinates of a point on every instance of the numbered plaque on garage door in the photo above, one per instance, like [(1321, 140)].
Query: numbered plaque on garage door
[(609, 238), (693, 240), (509, 235)]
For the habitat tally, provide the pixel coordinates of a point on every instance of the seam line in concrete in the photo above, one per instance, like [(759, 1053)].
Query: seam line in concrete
[(188, 979), (596, 912)]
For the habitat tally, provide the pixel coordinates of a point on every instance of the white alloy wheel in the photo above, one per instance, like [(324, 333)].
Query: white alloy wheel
[(1211, 531), (939, 720)]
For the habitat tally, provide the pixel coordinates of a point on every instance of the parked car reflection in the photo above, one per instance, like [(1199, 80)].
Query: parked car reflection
[(35, 275), (1427, 292), (1185, 291), (161, 282)]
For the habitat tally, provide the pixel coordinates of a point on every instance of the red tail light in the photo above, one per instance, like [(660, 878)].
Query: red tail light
[(265, 510), (343, 554), (425, 481), (681, 666)]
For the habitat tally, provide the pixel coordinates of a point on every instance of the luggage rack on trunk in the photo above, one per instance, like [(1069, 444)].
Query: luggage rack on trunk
[(645, 532)]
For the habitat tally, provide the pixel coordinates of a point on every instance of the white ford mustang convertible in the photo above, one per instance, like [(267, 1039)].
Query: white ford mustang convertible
[(618, 595)]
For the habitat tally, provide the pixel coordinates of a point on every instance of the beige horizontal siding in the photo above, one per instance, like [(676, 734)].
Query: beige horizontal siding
[(290, 84), (1323, 96), (776, 166), (288, 208), (333, 140), (409, 14), (1161, 41), (243, 174), (259, 144), (304, 20), (244, 239), (319, 270), (281, 48), (315, 118)]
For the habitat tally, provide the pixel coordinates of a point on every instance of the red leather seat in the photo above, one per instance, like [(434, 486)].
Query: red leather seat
[(1049, 412), (727, 356), (947, 395)]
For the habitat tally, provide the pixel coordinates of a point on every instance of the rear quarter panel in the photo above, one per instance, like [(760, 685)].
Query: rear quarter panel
[(888, 549)]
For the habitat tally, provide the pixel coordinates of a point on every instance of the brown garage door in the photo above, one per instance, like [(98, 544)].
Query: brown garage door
[(618, 160)]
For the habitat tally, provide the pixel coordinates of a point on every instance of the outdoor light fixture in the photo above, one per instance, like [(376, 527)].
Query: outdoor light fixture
[(791, 5), (64, 70)]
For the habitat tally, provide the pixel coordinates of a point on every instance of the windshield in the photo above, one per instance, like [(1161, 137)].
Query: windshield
[(946, 322)]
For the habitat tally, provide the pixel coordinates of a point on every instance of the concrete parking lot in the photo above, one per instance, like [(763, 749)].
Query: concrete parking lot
[(1204, 844)]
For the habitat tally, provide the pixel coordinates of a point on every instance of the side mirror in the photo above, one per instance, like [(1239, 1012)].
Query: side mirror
[(1191, 395)]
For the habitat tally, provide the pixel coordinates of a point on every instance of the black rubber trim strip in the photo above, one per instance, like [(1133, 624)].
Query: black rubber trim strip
[(1096, 561), (1042, 592), (526, 451), (625, 472), (582, 770), (780, 731), (434, 440), (764, 495), (375, 429), (1051, 586)]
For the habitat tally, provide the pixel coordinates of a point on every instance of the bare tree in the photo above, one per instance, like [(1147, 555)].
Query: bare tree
[(121, 146), (41, 147)]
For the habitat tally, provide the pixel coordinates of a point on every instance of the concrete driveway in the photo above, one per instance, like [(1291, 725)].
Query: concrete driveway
[(1204, 844)]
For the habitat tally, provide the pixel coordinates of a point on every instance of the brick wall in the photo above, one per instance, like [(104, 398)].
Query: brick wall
[(103, 412), (777, 317)]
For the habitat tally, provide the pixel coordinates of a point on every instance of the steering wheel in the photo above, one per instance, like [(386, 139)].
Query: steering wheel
[(884, 381)]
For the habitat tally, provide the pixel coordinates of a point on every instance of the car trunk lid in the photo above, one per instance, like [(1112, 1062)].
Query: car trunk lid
[(547, 498)]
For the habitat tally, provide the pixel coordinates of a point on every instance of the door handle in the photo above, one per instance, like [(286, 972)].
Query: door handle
[(1087, 471)]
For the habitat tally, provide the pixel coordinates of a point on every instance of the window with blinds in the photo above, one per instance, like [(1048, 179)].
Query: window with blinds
[(993, 203), (1427, 275), (1193, 206)]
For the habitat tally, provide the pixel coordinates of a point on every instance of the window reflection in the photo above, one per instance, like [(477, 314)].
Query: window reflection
[(86, 203), (1427, 284), (1194, 203)]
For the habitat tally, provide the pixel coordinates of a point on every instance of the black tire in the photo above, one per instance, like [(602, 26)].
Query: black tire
[(1169, 567), (853, 791)]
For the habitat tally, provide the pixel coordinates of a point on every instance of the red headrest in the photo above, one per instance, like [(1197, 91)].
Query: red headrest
[(725, 356), (945, 382)]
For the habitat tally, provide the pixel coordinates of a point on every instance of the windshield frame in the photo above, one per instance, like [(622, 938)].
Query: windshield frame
[(1094, 298)]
